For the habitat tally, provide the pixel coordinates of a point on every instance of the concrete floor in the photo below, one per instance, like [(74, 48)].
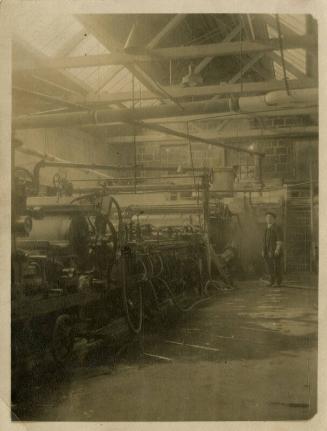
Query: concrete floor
[(249, 354)]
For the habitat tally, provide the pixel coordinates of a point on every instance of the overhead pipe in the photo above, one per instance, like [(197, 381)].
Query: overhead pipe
[(153, 188), (299, 97), (59, 163), (242, 104), (194, 138), (50, 158), (123, 115)]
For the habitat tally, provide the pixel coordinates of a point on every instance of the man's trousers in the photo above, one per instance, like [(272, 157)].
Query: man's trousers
[(275, 268)]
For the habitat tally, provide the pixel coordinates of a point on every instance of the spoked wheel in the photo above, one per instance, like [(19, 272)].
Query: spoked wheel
[(105, 245), (133, 279), (62, 339), (115, 215)]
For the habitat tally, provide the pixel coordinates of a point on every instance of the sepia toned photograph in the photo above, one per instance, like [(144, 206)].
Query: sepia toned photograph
[(164, 217)]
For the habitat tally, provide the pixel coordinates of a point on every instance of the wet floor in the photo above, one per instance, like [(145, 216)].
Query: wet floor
[(249, 354)]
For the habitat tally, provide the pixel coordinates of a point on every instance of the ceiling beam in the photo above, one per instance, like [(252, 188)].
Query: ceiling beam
[(71, 43), (258, 30), (166, 30), (247, 66), (204, 63), (184, 52), (201, 91), (131, 36), (248, 20), (94, 25)]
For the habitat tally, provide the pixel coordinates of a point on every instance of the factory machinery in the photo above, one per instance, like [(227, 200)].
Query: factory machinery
[(82, 265)]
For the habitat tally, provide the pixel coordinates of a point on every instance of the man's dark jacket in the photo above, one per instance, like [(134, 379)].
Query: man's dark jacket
[(272, 234)]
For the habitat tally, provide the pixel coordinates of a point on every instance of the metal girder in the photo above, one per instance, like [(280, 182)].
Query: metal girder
[(71, 43), (185, 52), (201, 91), (131, 36), (168, 28), (92, 24), (250, 25), (204, 63), (246, 67), (172, 24)]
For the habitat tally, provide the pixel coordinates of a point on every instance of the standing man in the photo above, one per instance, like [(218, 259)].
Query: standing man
[(272, 250)]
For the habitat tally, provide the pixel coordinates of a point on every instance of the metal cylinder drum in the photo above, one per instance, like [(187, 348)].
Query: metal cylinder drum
[(51, 228)]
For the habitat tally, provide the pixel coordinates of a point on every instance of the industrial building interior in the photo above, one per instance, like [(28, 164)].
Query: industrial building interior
[(149, 152)]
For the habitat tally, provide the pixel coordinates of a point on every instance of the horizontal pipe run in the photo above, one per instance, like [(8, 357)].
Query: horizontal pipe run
[(47, 158), (176, 91), (233, 104), (243, 135), (121, 116), (45, 163), (164, 188), (166, 177), (194, 138)]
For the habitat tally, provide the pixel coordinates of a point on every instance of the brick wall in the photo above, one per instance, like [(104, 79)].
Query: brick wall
[(279, 159), (166, 155)]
